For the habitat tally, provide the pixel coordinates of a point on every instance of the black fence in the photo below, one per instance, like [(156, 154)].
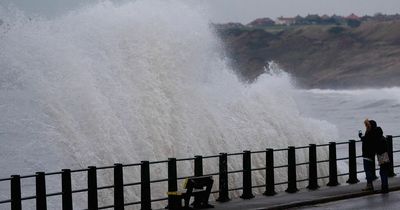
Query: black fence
[(16, 200)]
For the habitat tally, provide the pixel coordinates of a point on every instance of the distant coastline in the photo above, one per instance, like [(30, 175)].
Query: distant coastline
[(364, 52)]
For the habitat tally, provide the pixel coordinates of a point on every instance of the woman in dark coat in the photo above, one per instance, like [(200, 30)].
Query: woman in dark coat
[(368, 153), (373, 143)]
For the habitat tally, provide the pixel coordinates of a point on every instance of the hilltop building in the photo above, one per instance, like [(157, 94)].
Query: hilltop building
[(352, 16), (261, 22), (285, 21), (325, 17)]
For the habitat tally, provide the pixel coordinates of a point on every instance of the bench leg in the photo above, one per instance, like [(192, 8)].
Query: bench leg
[(201, 199), (186, 197)]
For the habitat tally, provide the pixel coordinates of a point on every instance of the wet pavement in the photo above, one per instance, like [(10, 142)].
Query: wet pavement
[(343, 196), (375, 201)]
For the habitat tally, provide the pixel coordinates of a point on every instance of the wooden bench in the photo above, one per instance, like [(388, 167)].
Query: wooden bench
[(197, 187)]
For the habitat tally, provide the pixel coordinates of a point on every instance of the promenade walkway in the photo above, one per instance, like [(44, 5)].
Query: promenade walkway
[(370, 202), (304, 197)]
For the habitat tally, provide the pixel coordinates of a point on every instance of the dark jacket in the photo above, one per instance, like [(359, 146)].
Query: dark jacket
[(372, 141), (381, 146)]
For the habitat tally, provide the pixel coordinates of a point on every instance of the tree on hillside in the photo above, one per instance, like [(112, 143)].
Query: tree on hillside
[(366, 18), (353, 23), (338, 20), (312, 19), (336, 30)]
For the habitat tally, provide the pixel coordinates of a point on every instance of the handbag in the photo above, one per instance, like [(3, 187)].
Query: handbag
[(383, 158)]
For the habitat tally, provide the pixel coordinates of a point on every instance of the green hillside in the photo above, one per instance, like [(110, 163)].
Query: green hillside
[(320, 56)]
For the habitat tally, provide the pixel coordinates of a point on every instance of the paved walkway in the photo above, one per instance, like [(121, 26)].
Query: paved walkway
[(370, 202), (305, 197)]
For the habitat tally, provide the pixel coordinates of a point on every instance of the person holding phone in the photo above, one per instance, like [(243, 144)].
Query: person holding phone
[(368, 153), (373, 142)]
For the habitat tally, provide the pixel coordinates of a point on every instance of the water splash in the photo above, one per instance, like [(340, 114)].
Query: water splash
[(124, 83)]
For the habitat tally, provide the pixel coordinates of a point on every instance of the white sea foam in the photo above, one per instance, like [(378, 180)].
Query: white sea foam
[(139, 81), (392, 93)]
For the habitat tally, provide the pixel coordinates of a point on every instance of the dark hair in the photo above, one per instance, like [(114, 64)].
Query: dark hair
[(372, 123)]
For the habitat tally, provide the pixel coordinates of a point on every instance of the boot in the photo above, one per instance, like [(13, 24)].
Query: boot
[(385, 189), (369, 187)]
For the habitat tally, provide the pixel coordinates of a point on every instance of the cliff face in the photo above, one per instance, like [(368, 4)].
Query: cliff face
[(321, 56)]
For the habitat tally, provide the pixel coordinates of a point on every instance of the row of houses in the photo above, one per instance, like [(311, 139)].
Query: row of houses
[(309, 19), (317, 19)]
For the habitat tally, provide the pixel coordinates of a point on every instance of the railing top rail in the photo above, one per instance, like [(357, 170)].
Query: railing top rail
[(132, 164), (257, 151), (105, 167), (6, 201), (79, 170), (53, 173), (234, 154), (5, 179), (157, 162), (210, 156), (184, 159), (282, 149), (302, 147), (322, 145), (27, 176)]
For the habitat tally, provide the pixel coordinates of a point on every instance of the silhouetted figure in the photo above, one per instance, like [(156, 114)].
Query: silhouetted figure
[(383, 159), (368, 153), (373, 143)]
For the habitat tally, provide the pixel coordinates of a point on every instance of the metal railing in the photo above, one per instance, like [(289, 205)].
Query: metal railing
[(146, 201)]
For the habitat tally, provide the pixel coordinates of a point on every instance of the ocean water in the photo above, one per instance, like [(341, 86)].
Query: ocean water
[(145, 80), (347, 109)]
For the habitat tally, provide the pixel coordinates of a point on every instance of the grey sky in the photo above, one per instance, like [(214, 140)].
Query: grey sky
[(239, 10), (46, 7)]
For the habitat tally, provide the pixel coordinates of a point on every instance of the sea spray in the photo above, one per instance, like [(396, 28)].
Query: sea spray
[(139, 81)]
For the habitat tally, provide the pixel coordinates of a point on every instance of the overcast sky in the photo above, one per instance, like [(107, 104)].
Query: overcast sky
[(239, 10)]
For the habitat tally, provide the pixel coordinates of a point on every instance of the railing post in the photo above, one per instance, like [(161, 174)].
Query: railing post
[(389, 140), (172, 180), (333, 181), (223, 178), (247, 185), (198, 170), (41, 191), (352, 163), (269, 172), (292, 188), (312, 167), (118, 187), (198, 165), (66, 189), (92, 188), (145, 186), (16, 192)]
